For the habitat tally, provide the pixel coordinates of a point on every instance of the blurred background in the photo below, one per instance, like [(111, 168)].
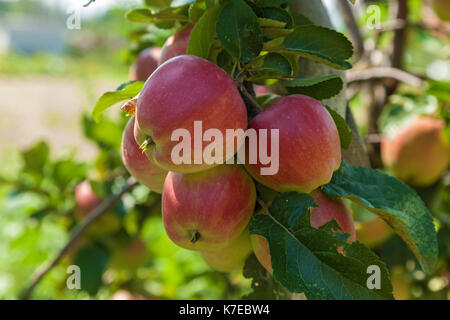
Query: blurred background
[(52, 71)]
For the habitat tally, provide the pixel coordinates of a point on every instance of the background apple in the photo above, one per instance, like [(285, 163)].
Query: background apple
[(86, 201), (327, 210), (373, 232), (176, 44), (207, 210), (183, 90), (231, 257), (138, 165), (309, 146), (419, 153), (145, 64), (441, 8)]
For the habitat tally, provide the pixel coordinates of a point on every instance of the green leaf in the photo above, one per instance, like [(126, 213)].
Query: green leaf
[(392, 200), (320, 44), (440, 89), (271, 3), (92, 261), (202, 35), (271, 23), (238, 31), (264, 288), (36, 157), (124, 92), (345, 134), (278, 14), (319, 88), (158, 3), (165, 15), (196, 10), (274, 65), (305, 259)]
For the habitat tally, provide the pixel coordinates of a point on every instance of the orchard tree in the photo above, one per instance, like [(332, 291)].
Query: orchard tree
[(295, 221), (207, 70)]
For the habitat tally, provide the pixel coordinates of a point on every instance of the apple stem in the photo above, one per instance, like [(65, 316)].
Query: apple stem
[(195, 235), (145, 144)]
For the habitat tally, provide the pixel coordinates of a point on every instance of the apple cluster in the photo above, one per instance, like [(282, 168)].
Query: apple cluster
[(207, 207)]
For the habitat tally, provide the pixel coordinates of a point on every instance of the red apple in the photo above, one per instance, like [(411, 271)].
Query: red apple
[(176, 44), (183, 90), (146, 63), (327, 210), (260, 89), (138, 165), (419, 153), (231, 257), (308, 149), (86, 201), (85, 198), (207, 210)]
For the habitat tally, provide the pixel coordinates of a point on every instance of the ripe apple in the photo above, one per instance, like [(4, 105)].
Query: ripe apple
[(183, 90), (419, 153), (86, 201), (176, 44), (373, 232), (441, 8), (309, 145), (138, 165), (145, 64), (327, 210), (231, 257), (207, 210)]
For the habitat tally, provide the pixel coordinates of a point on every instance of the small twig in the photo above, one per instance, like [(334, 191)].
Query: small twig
[(262, 204), (87, 4), (352, 26), (253, 107), (383, 73), (79, 229)]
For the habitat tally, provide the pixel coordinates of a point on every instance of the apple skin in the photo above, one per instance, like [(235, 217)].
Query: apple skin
[(232, 257), (441, 8), (309, 145), (145, 64), (207, 210), (327, 210), (419, 153), (176, 44), (86, 201), (145, 171), (183, 90)]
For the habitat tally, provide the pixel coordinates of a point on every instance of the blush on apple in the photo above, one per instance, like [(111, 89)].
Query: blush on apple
[(207, 210), (184, 90), (145, 64), (309, 145), (143, 169)]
